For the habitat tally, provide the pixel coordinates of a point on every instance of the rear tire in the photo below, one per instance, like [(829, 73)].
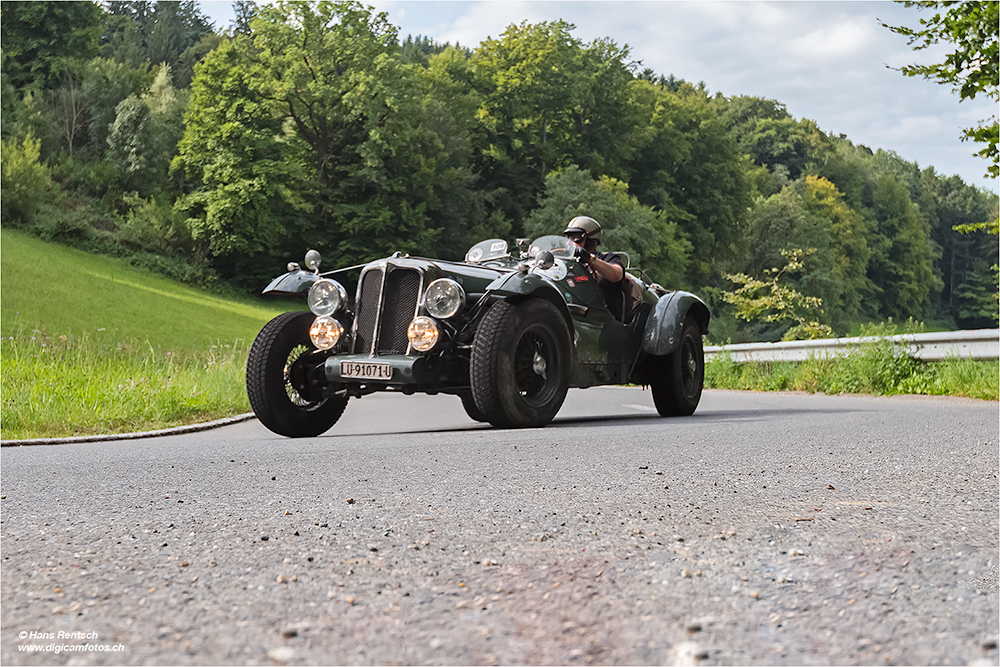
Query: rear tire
[(520, 364), (678, 378), (279, 391)]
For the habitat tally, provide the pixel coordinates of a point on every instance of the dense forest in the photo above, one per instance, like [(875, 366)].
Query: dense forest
[(138, 129)]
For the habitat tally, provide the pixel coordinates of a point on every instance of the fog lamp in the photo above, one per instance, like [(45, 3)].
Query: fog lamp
[(325, 332), (423, 333)]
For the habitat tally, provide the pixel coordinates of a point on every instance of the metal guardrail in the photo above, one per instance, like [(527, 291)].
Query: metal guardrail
[(973, 344)]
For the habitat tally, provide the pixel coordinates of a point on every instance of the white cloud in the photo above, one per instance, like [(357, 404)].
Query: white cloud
[(833, 42)]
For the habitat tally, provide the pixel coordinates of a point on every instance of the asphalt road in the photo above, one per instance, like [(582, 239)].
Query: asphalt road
[(765, 529)]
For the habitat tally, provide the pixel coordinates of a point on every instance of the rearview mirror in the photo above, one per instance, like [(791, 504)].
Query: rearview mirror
[(545, 260)]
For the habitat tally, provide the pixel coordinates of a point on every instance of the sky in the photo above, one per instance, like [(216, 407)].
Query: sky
[(825, 61)]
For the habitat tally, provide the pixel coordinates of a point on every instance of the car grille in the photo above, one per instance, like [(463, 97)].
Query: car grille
[(384, 330)]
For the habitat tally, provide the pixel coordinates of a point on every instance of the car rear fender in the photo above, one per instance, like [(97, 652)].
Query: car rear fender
[(293, 282), (663, 328)]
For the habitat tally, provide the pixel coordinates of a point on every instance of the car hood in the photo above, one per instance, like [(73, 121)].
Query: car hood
[(474, 278)]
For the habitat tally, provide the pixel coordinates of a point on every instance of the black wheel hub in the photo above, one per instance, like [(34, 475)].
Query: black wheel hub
[(534, 367), (689, 368)]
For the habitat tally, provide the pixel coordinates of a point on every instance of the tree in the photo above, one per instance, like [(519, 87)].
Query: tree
[(766, 132), (782, 222), (547, 102), (688, 165), (977, 296), (954, 211), (9, 103), (130, 142), (143, 137), (127, 27), (310, 134), (175, 37), (25, 182), (242, 198), (972, 68), (848, 236), (70, 109), (902, 259), (40, 39), (743, 111), (448, 113), (244, 12), (784, 143), (193, 55), (329, 69), (165, 40), (106, 83), (418, 50), (143, 33)]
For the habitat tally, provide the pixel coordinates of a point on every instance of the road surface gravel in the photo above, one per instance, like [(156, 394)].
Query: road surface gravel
[(765, 529)]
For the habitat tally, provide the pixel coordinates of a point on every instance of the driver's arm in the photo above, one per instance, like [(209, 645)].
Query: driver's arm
[(611, 272)]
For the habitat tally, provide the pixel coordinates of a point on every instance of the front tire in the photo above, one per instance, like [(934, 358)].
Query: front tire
[(678, 378), (471, 409), (279, 391), (519, 370)]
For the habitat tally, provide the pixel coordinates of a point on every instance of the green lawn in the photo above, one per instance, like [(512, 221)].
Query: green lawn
[(91, 345)]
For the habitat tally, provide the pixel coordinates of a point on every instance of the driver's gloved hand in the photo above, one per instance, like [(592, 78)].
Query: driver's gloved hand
[(582, 254)]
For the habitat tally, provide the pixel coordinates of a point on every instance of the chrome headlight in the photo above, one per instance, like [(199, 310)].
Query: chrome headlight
[(325, 332), (423, 333), (444, 298), (326, 297)]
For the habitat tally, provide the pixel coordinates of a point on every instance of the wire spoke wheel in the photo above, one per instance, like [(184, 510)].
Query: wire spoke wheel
[(293, 377)]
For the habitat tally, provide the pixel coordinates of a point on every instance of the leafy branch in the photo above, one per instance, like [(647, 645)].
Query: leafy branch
[(972, 67), (768, 300)]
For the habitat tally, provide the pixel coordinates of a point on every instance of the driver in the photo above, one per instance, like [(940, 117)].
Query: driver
[(585, 233)]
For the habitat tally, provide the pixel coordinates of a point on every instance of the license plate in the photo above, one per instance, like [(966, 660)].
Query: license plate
[(365, 371)]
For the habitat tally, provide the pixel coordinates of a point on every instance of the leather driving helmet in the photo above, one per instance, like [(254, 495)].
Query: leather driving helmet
[(585, 225)]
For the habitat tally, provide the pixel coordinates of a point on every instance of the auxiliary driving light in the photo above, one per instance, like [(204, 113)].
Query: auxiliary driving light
[(423, 333), (325, 332)]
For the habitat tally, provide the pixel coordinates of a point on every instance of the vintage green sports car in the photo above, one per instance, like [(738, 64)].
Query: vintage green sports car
[(508, 335)]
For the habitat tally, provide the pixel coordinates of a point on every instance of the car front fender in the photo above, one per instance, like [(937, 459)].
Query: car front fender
[(662, 334), (518, 286), (293, 282)]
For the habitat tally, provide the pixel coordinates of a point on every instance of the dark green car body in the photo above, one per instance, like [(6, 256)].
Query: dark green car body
[(589, 346)]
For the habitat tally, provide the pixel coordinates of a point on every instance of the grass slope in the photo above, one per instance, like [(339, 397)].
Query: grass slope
[(60, 290), (91, 345)]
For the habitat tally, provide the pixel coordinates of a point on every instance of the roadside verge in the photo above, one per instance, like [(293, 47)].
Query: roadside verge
[(177, 430)]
